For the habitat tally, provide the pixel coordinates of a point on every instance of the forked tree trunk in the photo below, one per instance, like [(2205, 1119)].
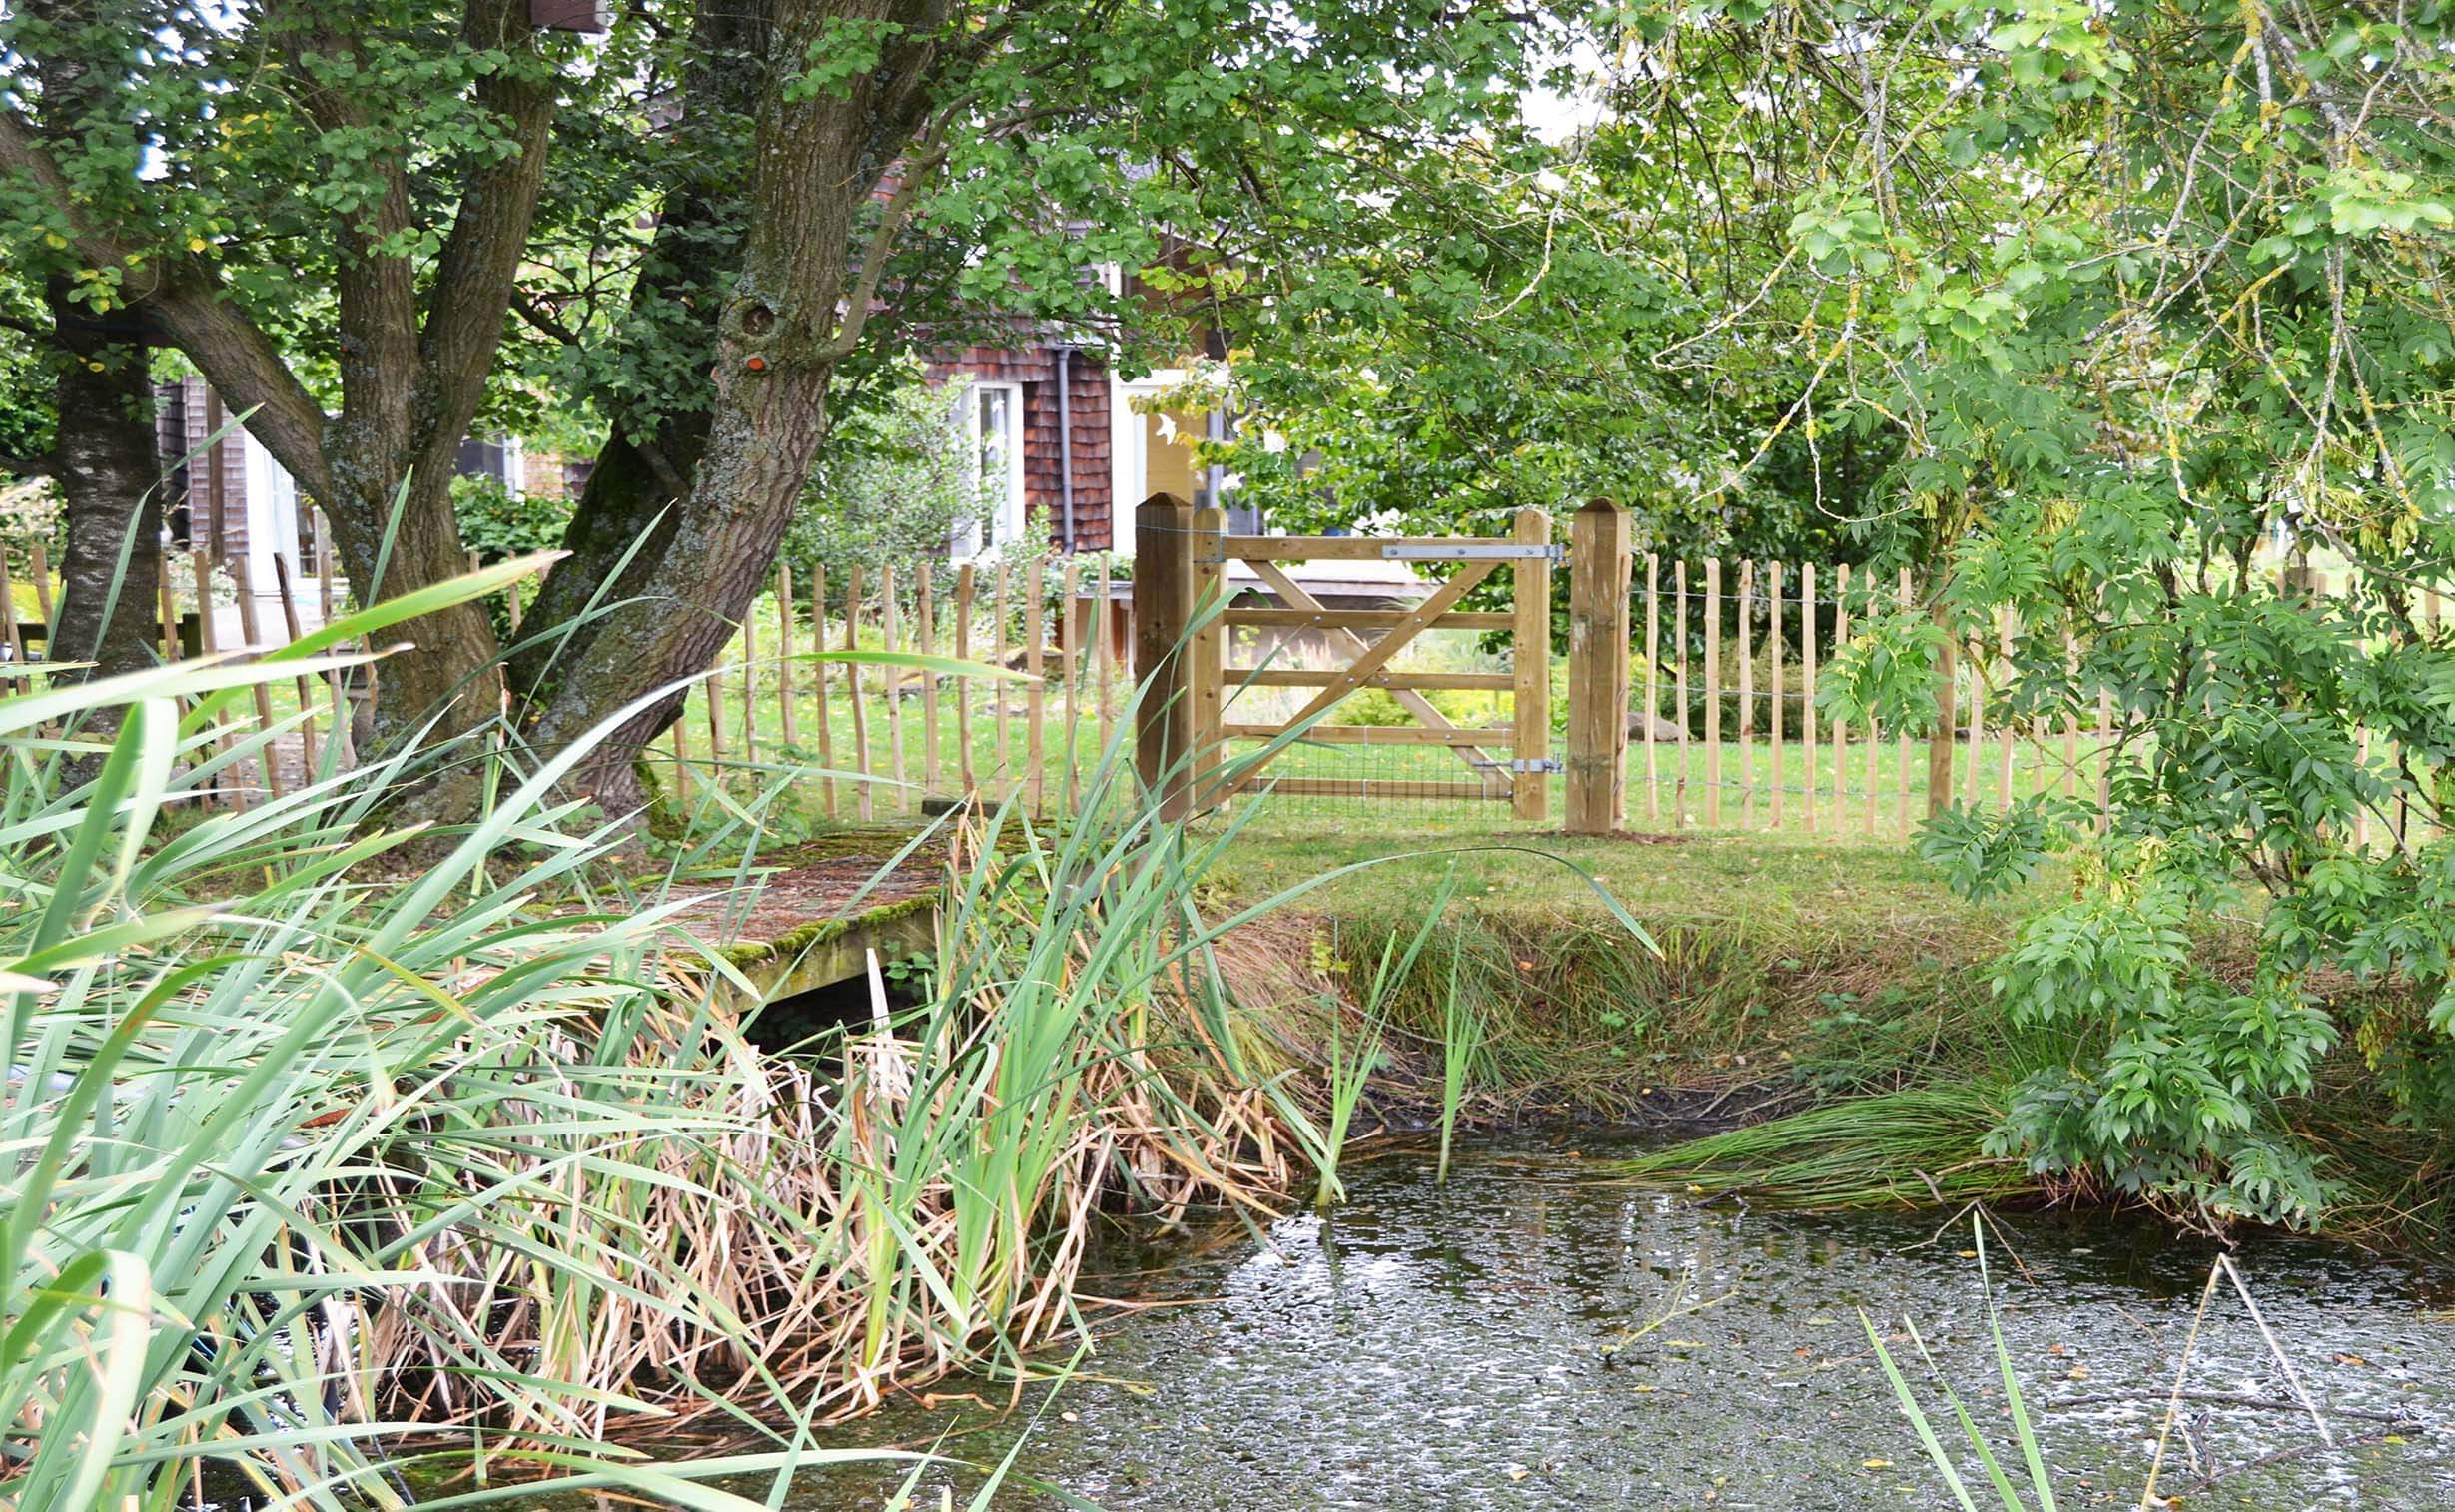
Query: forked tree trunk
[(624, 521), (787, 320)]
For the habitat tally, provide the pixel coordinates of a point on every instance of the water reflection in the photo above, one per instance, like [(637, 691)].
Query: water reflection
[(1501, 1344)]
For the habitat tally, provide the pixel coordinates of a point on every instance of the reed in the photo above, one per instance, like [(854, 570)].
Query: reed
[(327, 1159), (341, 1169), (2023, 1433), (1917, 1147), (1349, 1068), (1461, 1043)]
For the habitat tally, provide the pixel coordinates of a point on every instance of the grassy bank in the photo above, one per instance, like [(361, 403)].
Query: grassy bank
[(1800, 963), (1833, 998)]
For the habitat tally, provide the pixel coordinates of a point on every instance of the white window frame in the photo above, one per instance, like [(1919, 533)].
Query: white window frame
[(1006, 520)]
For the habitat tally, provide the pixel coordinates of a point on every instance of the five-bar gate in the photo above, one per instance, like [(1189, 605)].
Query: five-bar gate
[(1193, 752)]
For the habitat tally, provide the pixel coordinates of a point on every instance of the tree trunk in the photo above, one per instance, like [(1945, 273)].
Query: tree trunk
[(623, 524), (447, 685), (785, 324), (109, 482)]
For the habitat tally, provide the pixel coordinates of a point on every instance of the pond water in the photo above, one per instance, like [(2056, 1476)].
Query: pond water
[(1471, 1346)]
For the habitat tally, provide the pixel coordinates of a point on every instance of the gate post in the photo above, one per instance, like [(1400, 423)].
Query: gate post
[(1207, 653), (1597, 668), (1162, 610), (1530, 699)]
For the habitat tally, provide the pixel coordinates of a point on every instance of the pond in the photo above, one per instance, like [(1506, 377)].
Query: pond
[(1481, 1345)]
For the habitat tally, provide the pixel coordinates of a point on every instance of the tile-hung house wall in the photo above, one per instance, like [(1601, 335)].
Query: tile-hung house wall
[(1057, 435), (1036, 417)]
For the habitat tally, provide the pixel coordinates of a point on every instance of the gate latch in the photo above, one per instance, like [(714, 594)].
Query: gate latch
[(1537, 764)]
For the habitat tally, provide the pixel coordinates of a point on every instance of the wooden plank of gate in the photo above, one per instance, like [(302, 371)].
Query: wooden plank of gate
[(1530, 701), (890, 634), (784, 652), (1902, 747), (1104, 659), (852, 678), (997, 640), (1781, 652), (927, 629), (750, 681), (1747, 696), (1387, 681), (1357, 619), (1261, 549), (1349, 643), (1370, 734), (818, 683), (1841, 726), (1209, 646), (1070, 667), (1679, 686), (1036, 695), (1365, 787), (40, 562), (1653, 681), (1597, 764), (1874, 727), (963, 696), (1382, 652)]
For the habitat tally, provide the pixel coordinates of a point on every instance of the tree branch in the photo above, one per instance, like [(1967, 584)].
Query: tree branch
[(236, 355), (482, 253), (891, 221)]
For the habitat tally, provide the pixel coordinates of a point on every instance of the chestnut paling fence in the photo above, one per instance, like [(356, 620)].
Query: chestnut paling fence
[(1686, 696)]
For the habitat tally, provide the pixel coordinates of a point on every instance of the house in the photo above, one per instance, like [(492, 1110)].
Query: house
[(1059, 436)]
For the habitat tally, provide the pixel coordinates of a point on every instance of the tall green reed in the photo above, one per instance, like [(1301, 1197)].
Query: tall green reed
[(1463, 1027), (1349, 1068), (321, 1161), (2023, 1433)]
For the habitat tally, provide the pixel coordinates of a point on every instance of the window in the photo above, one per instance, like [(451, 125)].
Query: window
[(993, 418)]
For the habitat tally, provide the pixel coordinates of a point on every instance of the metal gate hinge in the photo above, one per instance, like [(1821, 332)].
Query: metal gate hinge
[(1537, 764), (1477, 551)]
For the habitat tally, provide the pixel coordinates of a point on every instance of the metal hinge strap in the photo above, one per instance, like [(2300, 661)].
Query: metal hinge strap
[(1477, 551)]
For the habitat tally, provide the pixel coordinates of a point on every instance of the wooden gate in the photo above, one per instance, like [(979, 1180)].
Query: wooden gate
[(1196, 753)]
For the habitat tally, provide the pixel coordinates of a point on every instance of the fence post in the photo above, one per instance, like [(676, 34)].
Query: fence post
[(1598, 662), (1940, 753), (1163, 609)]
